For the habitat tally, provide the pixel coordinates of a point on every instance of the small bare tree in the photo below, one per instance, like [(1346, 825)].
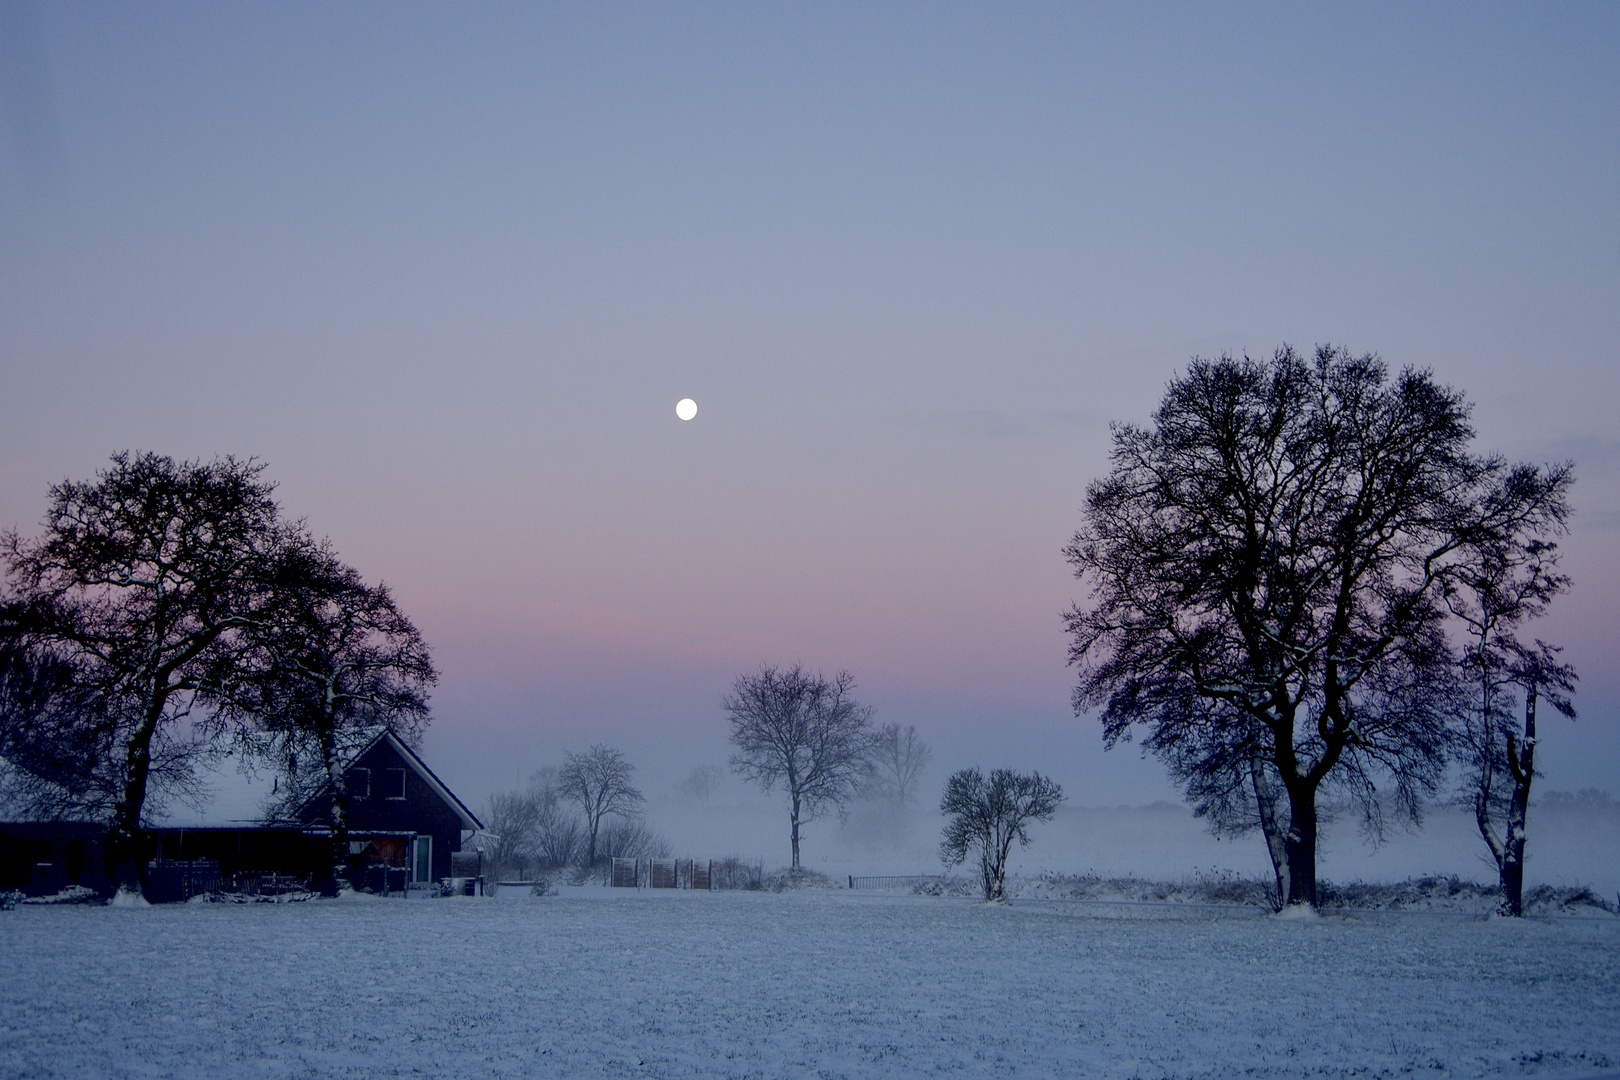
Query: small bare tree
[(990, 815), (512, 817), (632, 838), (701, 782), (599, 781), (803, 731), (899, 758), (1507, 584), (559, 839)]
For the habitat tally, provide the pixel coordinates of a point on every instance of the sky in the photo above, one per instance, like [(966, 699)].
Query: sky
[(447, 269)]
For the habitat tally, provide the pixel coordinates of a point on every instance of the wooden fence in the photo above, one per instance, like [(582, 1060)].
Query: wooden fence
[(889, 881), (662, 874)]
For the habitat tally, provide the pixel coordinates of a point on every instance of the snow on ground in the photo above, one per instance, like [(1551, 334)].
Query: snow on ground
[(617, 983)]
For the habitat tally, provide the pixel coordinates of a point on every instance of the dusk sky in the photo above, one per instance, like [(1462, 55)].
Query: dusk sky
[(447, 270)]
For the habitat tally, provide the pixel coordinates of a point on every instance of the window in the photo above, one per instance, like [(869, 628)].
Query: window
[(393, 783), (359, 783)]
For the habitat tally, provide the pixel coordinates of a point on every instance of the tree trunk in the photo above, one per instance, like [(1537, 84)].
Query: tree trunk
[(340, 861), (996, 887), (1487, 831), (1299, 845), (1522, 760), (1265, 799), (590, 847), (124, 840), (795, 832)]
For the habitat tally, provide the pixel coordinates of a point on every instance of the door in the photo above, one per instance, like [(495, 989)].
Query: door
[(422, 859)]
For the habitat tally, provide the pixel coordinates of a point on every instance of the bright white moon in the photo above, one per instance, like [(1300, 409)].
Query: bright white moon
[(686, 408)]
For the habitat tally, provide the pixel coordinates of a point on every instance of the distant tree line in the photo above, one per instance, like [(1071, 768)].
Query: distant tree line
[(167, 614)]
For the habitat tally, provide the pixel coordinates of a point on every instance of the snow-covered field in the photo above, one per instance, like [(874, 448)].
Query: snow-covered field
[(598, 982)]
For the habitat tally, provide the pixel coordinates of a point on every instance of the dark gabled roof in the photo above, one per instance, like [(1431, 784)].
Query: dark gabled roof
[(469, 820)]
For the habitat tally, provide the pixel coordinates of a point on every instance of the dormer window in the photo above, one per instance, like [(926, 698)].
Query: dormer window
[(393, 783), (358, 782)]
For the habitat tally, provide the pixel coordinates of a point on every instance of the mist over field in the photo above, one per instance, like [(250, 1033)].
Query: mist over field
[(1575, 843)]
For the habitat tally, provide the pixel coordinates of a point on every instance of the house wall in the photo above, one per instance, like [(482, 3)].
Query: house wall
[(420, 811)]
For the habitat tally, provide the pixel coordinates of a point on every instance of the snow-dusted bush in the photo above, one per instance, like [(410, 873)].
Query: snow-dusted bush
[(73, 894), (1216, 888), (1436, 893), (786, 880), (945, 886), (735, 873)]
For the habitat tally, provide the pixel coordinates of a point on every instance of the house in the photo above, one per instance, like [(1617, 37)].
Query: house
[(401, 815), (398, 809)]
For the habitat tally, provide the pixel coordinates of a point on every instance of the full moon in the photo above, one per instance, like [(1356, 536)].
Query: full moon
[(686, 408)]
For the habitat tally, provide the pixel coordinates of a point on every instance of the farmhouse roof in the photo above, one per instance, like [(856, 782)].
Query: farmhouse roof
[(362, 746)]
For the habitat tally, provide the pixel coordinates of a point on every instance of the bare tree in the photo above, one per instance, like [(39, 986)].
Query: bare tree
[(803, 731), (1268, 563), (632, 838), (989, 815), (700, 783), (899, 758), (512, 818), (558, 835), (1505, 585), (149, 574), (535, 827), (599, 781), (333, 659)]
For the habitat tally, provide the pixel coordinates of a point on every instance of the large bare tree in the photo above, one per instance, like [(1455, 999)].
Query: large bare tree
[(148, 576), (803, 731), (1268, 562), (599, 782)]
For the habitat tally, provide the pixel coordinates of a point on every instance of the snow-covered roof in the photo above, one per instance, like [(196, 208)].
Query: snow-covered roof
[(235, 795)]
